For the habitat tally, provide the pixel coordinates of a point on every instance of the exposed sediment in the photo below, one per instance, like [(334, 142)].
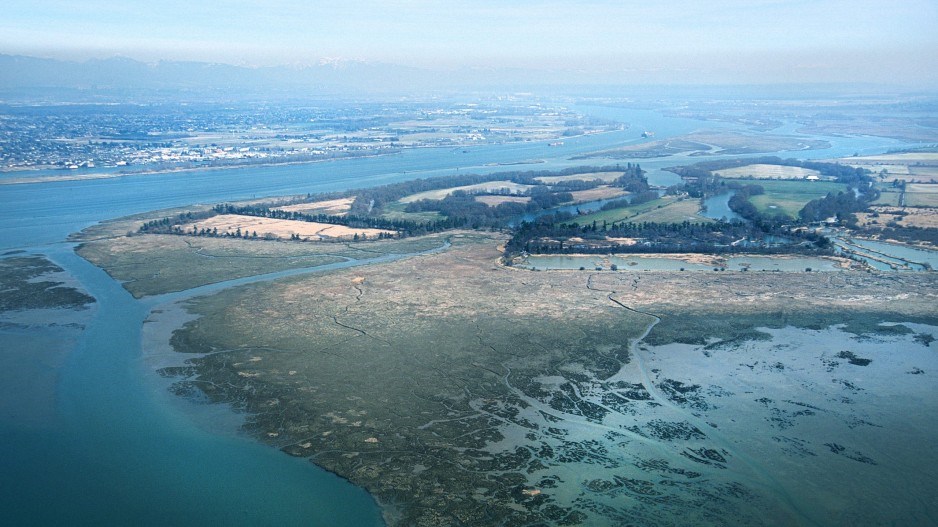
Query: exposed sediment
[(458, 391)]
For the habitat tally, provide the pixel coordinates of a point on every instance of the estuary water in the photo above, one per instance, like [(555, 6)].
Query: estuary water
[(113, 452)]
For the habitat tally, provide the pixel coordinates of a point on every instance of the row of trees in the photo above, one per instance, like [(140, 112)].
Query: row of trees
[(371, 202), (550, 237)]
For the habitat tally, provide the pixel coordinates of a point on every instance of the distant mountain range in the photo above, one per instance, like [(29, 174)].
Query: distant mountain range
[(22, 75), (118, 73)]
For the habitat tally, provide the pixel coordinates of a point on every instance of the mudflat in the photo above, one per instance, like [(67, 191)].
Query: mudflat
[(460, 391)]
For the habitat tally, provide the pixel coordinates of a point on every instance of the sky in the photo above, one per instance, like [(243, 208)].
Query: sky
[(715, 41)]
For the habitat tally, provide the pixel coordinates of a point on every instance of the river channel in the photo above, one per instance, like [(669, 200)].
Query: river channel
[(114, 452)]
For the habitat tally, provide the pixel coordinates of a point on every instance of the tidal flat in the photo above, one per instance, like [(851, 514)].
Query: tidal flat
[(458, 391), (42, 313)]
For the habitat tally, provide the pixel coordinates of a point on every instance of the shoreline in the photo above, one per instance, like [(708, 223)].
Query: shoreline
[(690, 258), (54, 178), (32, 180), (661, 425)]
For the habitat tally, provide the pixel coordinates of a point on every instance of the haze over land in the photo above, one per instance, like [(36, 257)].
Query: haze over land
[(723, 42), (468, 263)]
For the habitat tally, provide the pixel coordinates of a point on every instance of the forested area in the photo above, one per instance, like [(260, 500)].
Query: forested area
[(550, 237)]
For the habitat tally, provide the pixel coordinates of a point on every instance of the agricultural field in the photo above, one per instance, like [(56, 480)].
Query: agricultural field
[(395, 211), (678, 212), (921, 195), (789, 197), (606, 177), (624, 213), (909, 166), (492, 187), (600, 192), (272, 228), (332, 207), (494, 201), (888, 195), (663, 210), (762, 171)]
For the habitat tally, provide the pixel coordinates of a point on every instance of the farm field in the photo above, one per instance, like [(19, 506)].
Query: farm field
[(762, 171), (624, 213), (490, 187), (921, 195), (607, 177), (280, 229), (789, 197), (676, 212), (888, 195), (910, 166), (395, 211), (593, 194), (494, 201), (334, 207)]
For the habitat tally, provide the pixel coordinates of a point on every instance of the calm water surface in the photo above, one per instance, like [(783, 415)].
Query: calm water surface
[(113, 452)]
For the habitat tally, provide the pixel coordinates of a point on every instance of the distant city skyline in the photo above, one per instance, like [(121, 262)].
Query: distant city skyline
[(723, 41)]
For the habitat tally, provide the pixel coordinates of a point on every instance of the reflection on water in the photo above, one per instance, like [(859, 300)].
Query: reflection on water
[(718, 208)]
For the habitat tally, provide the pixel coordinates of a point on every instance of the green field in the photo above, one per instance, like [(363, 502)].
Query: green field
[(625, 213), (395, 211), (789, 197), (921, 195), (888, 197), (677, 212)]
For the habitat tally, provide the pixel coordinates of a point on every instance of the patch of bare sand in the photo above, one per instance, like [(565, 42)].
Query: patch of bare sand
[(276, 228)]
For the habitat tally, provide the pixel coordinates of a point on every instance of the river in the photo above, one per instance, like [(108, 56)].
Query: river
[(115, 451)]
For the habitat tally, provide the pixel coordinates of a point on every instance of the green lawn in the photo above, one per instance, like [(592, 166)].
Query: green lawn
[(789, 197)]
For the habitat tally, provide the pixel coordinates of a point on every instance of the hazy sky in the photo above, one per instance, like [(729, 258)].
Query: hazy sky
[(733, 40)]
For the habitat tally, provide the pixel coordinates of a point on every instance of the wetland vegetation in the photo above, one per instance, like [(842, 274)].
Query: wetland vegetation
[(460, 390)]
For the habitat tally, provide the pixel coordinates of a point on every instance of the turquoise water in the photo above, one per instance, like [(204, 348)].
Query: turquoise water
[(113, 452), (116, 456)]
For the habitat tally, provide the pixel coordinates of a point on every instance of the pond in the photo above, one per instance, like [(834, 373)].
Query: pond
[(750, 263)]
